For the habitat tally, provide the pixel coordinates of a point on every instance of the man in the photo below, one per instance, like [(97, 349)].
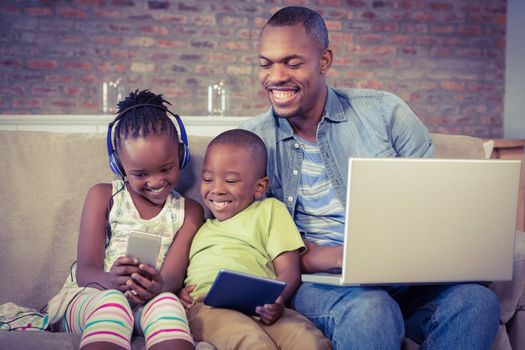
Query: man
[(310, 131)]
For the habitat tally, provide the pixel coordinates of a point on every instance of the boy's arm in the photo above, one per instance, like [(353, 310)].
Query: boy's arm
[(287, 269)]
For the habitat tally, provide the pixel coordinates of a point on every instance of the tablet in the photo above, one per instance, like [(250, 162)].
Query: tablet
[(242, 292)]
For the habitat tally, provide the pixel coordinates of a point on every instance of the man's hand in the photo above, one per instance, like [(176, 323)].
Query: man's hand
[(269, 313)]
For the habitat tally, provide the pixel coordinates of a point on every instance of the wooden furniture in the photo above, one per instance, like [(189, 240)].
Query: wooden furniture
[(514, 149)]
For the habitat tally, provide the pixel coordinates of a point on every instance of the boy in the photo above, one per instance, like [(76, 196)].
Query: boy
[(247, 235)]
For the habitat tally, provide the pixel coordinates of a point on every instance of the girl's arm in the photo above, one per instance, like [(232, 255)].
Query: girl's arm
[(173, 271), (91, 245)]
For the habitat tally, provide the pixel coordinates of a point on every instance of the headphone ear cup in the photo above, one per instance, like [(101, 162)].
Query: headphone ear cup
[(183, 155), (114, 164)]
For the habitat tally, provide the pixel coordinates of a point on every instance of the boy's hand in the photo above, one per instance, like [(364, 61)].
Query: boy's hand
[(185, 297), (144, 285), (269, 313)]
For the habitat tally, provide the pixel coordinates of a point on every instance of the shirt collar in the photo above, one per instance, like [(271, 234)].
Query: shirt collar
[(333, 111)]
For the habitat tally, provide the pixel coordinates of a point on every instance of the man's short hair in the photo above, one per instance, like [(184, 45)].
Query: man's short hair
[(246, 140), (312, 21)]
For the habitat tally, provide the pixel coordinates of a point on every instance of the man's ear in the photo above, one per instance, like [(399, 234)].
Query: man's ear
[(326, 60), (261, 187)]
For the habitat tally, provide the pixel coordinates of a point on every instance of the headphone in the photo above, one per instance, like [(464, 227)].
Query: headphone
[(184, 149)]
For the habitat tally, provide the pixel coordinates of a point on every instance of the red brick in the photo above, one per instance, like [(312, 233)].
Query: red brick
[(219, 57), (112, 67), (323, 3), (452, 85), (74, 90), (9, 9), (149, 29), (59, 78), (440, 6), (63, 103), (342, 37), (333, 25), (171, 44), (27, 103), (90, 79), (107, 40), (39, 11), (235, 45), (453, 41), (239, 70), (231, 21), (78, 65), (470, 30), (142, 41), (42, 64), (72, 13), (442, 29)]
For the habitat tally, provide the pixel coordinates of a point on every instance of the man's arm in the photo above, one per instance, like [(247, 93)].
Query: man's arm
[(321, 258)]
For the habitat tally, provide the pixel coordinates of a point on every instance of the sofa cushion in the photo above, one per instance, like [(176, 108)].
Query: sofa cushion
[(41, 207), (458, 146)]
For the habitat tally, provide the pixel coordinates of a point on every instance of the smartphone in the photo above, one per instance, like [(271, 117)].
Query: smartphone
[(144, 246)]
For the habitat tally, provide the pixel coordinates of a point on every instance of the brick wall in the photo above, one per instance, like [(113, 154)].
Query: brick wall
[(446, 58)]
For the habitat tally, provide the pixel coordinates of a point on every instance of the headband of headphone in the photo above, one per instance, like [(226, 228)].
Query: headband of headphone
[(114, 162)]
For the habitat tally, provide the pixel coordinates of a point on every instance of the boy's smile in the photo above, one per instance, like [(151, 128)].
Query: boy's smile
[(229, 180)]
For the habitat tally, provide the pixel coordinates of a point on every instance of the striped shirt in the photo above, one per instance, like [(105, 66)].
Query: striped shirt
[(319, 215)]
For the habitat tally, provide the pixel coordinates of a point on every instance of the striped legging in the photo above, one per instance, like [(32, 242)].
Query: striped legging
[(106, 316)]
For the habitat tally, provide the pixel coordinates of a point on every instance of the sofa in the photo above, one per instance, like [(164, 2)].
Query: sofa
[(44, 177)]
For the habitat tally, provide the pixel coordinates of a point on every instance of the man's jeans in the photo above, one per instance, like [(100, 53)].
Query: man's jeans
[(459, 316)]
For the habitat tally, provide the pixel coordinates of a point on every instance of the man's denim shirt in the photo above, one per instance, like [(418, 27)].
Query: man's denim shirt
[(355, 123)]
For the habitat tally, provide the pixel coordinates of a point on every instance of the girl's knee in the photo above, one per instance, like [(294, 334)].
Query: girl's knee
[(163, 318)]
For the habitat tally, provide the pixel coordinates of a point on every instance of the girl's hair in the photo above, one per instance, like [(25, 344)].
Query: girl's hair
[(142, 121)]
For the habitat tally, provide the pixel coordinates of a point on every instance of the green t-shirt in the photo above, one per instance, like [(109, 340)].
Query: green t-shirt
[(247, 242)]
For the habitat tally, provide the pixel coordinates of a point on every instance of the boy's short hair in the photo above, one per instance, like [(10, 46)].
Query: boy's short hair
[(312, 21), (247, 140)]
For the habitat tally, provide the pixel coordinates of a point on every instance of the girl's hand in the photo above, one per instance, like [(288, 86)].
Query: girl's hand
[(145, 284), (120, 273), (269, 313), (184, 296)]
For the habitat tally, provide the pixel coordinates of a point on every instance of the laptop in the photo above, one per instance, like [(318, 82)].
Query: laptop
[(419, 221)]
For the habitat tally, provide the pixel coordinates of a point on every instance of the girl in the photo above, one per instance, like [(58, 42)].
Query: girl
[(109, 295)]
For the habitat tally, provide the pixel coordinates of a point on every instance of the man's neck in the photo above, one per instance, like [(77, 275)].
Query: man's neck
[(305, 125)]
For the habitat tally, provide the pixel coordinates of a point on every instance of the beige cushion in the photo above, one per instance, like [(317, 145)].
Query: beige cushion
[(44, 178), (458, 146)]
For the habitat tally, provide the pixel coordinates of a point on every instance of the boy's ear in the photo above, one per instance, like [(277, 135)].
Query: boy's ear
[(261, 186)]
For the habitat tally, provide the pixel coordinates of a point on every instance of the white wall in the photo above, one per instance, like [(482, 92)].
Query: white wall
[(194, 125), (514, 114)]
